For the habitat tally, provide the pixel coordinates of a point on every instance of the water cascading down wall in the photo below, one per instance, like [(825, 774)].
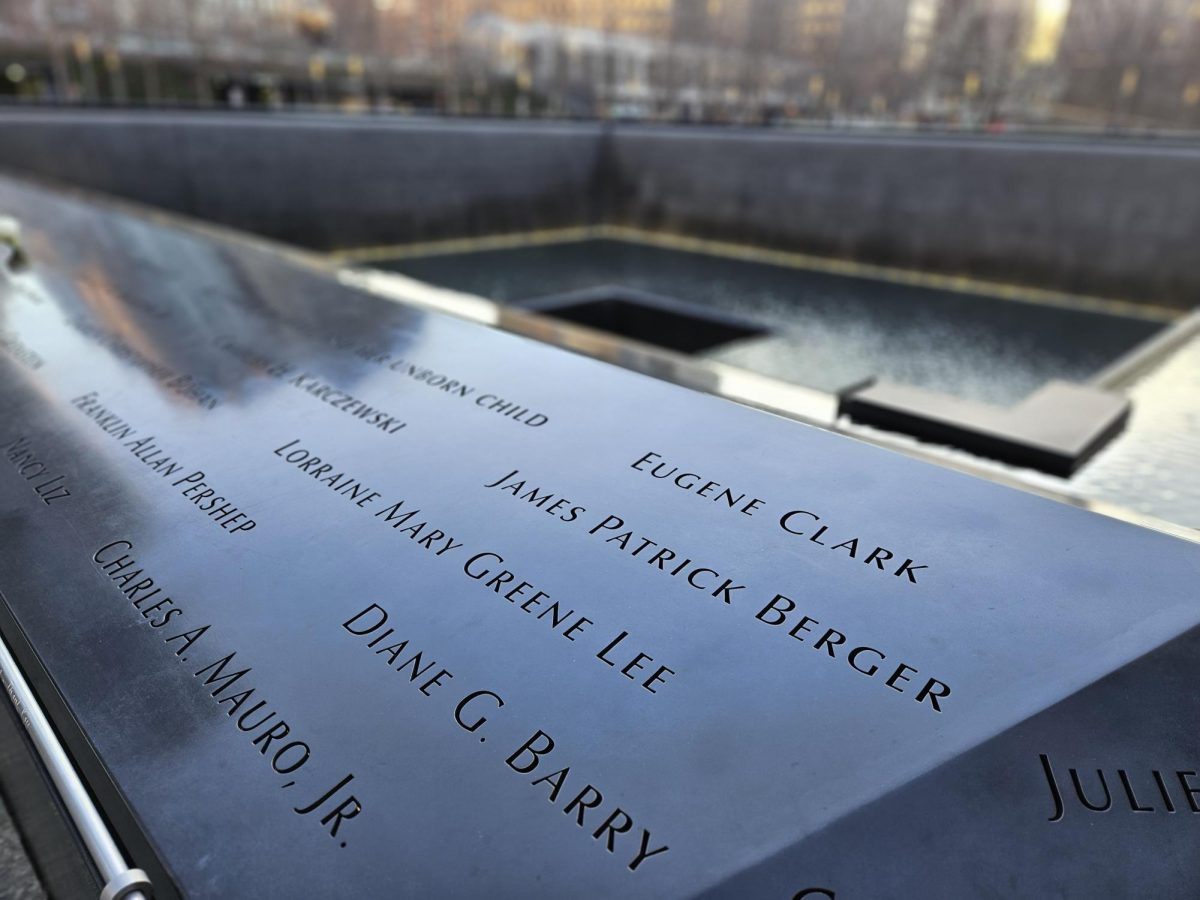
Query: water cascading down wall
[(1110, 218)]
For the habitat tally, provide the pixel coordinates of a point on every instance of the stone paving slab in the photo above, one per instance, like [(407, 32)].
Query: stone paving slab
[(17, 878)]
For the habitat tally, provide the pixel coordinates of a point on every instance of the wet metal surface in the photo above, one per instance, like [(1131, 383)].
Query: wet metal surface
[(766, 765), (830, 331)]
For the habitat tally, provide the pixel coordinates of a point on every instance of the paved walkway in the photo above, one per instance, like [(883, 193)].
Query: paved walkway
[(17, 878)]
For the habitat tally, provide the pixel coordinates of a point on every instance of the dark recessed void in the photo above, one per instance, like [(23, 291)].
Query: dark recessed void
[(826, 331), (648, 317)]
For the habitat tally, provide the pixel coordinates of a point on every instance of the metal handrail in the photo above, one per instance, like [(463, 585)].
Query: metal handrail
[(120, 881)]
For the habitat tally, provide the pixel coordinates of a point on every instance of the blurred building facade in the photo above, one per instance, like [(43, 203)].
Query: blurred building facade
[(983, 63)]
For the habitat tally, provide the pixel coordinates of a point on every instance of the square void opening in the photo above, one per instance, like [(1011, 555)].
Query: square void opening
[(662, 321)]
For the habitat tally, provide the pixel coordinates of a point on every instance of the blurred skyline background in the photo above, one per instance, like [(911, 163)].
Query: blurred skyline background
[(992, 65)]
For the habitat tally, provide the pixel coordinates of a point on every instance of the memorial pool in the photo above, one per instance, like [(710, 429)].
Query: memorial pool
[(828, 330)]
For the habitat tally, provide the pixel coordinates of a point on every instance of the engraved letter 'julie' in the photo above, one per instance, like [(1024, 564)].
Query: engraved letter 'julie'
[(1101, 796), (1054, 792)]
